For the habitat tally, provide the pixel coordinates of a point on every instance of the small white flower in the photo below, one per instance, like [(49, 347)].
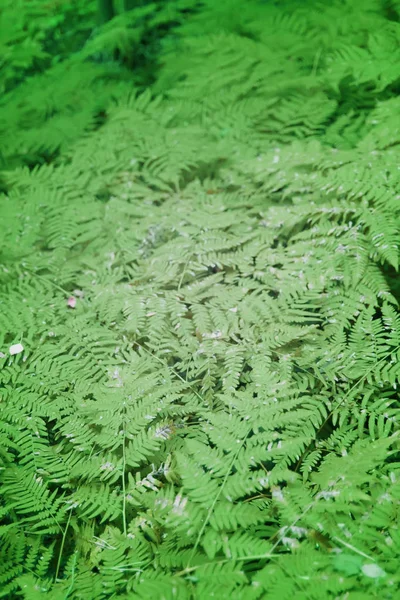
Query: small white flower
[(163, 432), (277, 494), (108, 466), (215, 335), (291, 542), (16, 349)]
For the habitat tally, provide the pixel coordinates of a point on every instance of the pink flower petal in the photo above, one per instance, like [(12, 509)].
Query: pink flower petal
[(71, 302)]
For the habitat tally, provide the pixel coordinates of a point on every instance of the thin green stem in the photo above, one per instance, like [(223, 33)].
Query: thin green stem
[(62, 546), (211, 509)]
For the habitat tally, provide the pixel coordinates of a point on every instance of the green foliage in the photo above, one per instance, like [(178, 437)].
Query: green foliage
[(200, 267), (36, 33), (46, 113)]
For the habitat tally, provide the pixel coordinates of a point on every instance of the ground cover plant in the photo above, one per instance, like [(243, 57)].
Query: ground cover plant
[(199, 301)]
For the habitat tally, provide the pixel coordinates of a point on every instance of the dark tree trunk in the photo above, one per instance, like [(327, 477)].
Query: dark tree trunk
[(106, 10), (130, 4)]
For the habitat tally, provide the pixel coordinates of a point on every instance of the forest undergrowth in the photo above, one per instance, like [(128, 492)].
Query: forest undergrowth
[(199, 300)]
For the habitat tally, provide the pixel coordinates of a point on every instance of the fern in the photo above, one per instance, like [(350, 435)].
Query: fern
[(199, 327)]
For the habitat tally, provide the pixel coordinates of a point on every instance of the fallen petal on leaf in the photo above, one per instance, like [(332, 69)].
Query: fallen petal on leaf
[(16, 349), (372, 570)]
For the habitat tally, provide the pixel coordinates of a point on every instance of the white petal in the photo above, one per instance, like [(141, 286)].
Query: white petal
[(16, 349), (372, 570)]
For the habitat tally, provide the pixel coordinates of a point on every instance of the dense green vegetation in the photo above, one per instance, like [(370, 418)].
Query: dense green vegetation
[(199, 294)]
